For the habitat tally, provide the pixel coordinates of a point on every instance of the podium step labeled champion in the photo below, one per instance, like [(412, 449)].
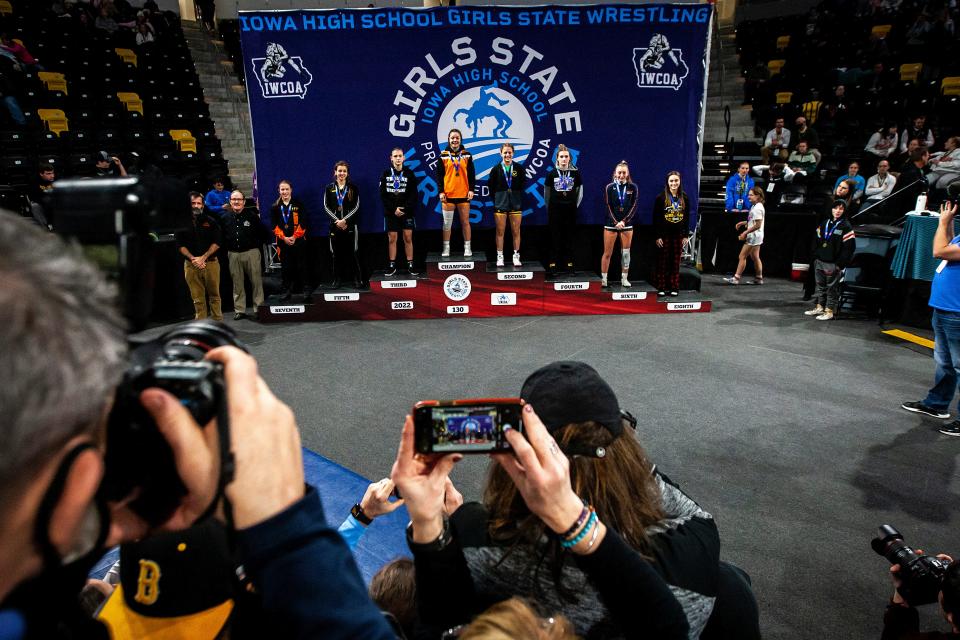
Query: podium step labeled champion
[(472, 287)]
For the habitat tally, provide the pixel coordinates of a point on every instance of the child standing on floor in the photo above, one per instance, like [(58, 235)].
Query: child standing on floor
[(752, 238), (833, 247)]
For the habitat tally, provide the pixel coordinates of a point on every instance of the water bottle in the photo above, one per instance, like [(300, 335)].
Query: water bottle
[(921, 203)]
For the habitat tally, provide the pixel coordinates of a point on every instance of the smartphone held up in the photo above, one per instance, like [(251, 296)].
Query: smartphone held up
[(465, 426)]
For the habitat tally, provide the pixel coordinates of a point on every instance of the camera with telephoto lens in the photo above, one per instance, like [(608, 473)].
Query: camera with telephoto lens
[(920, 575), (119, 222)]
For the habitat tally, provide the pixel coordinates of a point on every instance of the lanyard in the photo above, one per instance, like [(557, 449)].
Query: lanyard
[(675, 204), (396, 179), (742, 188), (508, 174), (286, 214), (340, 194), (621, 194), (828, 230), (455, 159)]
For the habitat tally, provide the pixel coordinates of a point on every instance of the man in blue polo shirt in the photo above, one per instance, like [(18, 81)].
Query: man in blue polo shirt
[(945, 300)]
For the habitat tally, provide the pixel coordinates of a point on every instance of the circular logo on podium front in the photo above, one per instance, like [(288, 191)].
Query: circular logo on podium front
[(457, 287)]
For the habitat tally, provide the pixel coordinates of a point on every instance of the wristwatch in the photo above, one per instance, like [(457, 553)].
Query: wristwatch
[(357, 512), (442, 541)]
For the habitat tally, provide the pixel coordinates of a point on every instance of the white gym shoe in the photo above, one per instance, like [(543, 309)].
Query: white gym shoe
[(816, 311), (826, 315), (624, 282), (732, 280), (499, 258), (516, 259), (446, 251), (603, 281), (467, 253)]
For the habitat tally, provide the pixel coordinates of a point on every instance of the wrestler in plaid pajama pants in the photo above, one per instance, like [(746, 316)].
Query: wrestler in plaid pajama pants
[(668, 264)]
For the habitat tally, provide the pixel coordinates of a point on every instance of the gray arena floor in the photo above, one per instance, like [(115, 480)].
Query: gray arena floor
[(788, 430)]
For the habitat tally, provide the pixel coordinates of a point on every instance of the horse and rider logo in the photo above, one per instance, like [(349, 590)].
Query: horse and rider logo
[(281, 75), (659, 66), (487, 116)]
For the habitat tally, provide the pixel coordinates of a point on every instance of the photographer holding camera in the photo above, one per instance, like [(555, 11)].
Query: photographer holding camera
[(63, 345), (918, 579)]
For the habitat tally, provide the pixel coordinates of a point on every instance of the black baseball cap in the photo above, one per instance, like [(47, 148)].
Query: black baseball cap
[(568, 392)]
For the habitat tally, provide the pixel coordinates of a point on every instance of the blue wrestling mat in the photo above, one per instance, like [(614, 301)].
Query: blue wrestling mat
[(339, 490)]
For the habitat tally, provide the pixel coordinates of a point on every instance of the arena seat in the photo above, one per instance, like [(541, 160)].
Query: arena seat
[(54, 120)]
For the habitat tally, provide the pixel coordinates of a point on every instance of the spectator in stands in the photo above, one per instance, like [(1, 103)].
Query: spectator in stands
[(882, 143), (28, 61), (144, 35), (777, 142), (833, 247), (802, 162), (217, 199), (752, 238), (46, 174), (945, 166), (806, 133), (394, 589), (207, 13), (853, 174), (880, 81), (882, 184), (915, 168), (844, 190), (8, 93), (63, 326), (945, 300), (582, 458), (105, 21), (244, 234), (198, 245), (108, 166), (917, 129)]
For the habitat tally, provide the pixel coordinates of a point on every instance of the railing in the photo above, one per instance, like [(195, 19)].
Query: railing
[(890, 209)]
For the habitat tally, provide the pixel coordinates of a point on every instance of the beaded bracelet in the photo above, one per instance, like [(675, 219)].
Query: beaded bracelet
[(576, 525), (566, 544)]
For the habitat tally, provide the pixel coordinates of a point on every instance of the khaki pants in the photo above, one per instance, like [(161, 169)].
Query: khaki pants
[(245, 262), (204, 284)]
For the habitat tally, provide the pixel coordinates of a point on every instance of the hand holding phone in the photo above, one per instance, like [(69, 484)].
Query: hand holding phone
[(465, 426)]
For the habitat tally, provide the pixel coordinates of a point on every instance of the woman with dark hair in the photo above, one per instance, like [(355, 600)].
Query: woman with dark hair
[(671, 226), (398, 193), (562, 192), (621, 198), (458, 180), (882, 145), (752, 238), (289, 222), (576, 517), (341, 201)]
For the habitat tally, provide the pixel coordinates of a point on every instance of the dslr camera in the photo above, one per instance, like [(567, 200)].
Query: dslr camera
[(921, 576), (119, 222)]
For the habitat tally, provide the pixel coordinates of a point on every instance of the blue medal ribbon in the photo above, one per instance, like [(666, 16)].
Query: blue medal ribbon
[(340, 194), (828, 230), (508, 174), (396, 179), (675, 204), (622, 195), (456, 163), (286, 214)]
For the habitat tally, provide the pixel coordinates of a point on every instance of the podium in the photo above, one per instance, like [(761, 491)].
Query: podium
[(472, 287)]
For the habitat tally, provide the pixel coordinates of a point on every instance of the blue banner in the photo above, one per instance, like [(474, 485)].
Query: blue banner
[(611, 82)]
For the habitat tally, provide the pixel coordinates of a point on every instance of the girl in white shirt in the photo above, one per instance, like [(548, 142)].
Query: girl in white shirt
[(752, 238)]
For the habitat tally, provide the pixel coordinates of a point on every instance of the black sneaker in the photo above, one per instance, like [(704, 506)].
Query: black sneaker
[(286, 296), (411, 269), (919, 407), (391, 270), (952, 429)]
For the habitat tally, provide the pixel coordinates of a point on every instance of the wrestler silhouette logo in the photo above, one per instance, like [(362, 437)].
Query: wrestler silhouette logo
[(488, 116), (659, 66), (457, 287), (281, 75)]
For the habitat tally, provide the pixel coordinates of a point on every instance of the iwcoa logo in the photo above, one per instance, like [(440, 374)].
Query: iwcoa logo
[(281, 75), (488, 116), (659, 66)]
